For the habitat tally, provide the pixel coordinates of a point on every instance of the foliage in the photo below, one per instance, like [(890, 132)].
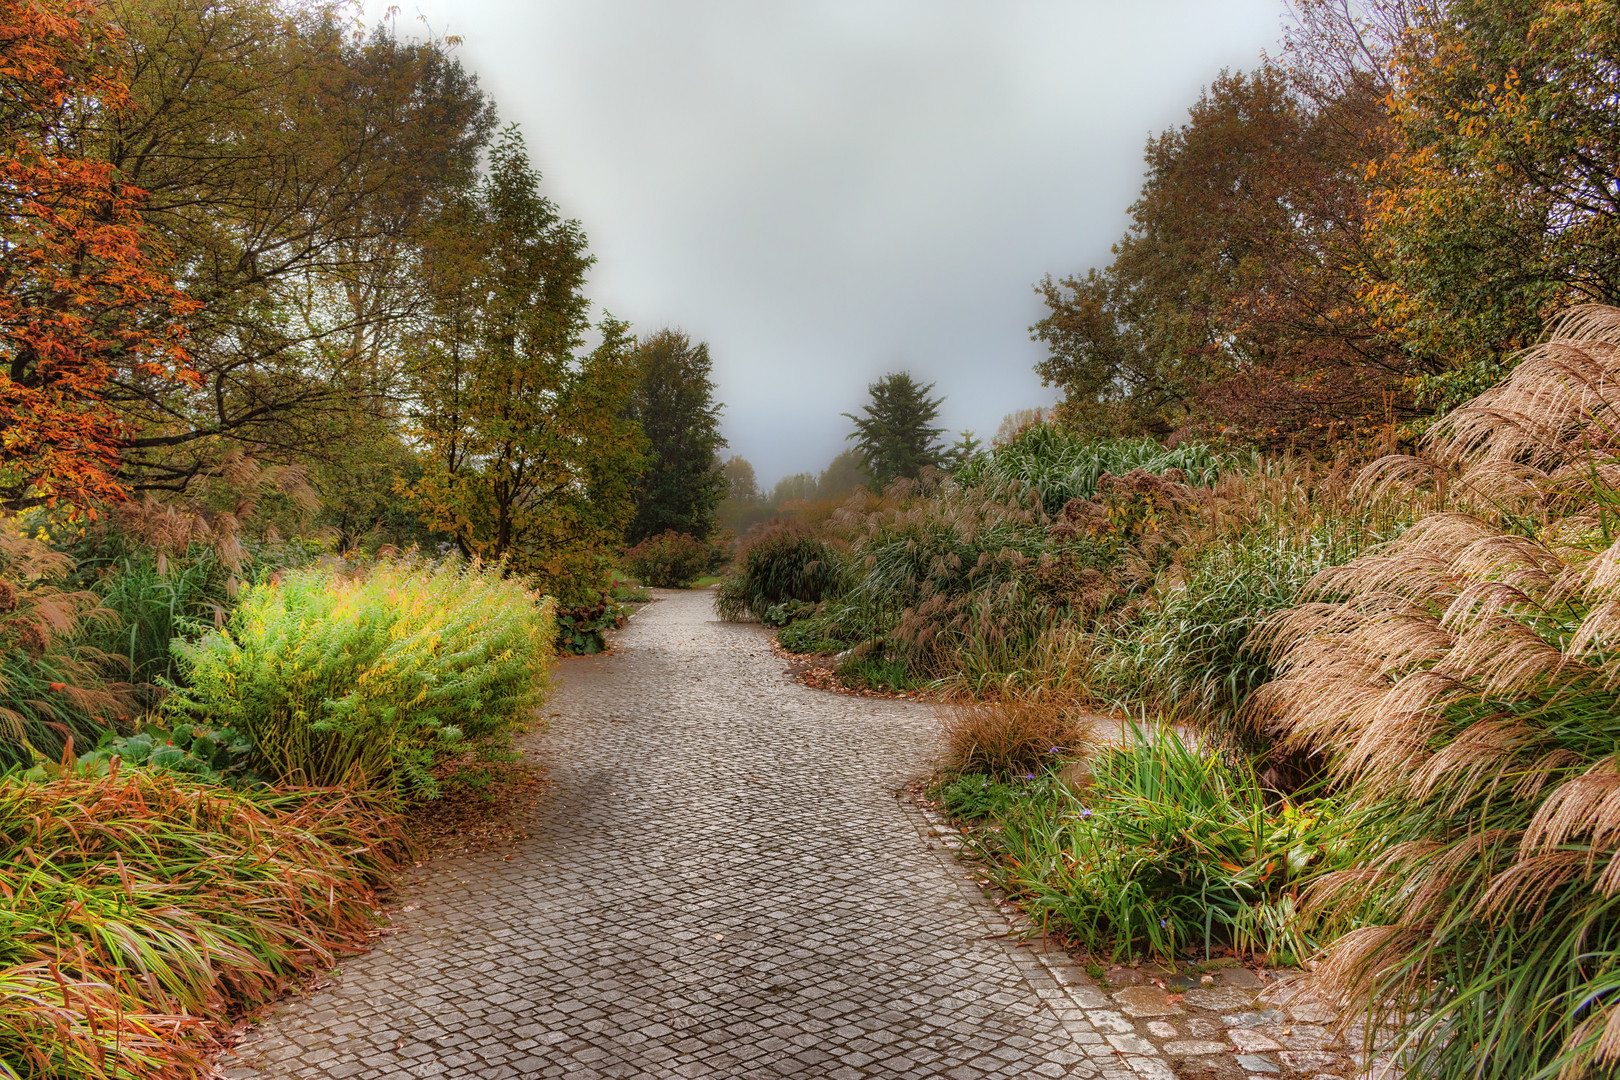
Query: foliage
[(1490, 215), (1234, 300), (674, 404), (626, 592), (367, 680), (84, 299), (1064, 464), (156, 600), (582, 631), (894, 434), (1016, 735), (138, 905), (1166, 849), (670, 560), (777, 562), (531, 458), (289, 166), (1462, 682)]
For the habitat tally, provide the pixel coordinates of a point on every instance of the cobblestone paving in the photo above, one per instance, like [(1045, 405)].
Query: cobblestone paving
[(722, 882)]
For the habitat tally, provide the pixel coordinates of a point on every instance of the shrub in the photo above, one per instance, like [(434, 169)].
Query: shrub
[(1166, 848), (670, 560), (582, 631), (1019, 734), (137, 906), (1464, 681), (157, 600), (367, 679), (779, 561)]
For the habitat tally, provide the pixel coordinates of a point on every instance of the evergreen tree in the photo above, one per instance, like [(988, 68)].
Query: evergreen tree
[(675, 406), (895, 436)]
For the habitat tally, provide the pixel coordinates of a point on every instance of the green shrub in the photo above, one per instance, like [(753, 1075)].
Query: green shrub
[(367, 679), (582, 631), (669, 560), (811, 634), (1167, 849), (159, 600), (779, 561)]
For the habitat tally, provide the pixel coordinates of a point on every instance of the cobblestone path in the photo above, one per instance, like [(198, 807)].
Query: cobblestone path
[(720, 882)]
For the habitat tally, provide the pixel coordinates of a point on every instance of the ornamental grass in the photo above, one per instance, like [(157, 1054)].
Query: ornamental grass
[(1464, 682), (136, 910)]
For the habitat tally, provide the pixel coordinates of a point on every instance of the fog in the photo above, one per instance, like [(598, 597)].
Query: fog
[(826, 192)]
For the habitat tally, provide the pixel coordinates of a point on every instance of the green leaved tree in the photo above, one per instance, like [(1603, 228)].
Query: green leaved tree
[(895, 434), (674, 404), (531, 455)]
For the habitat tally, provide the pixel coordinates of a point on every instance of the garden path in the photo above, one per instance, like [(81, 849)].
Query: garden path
[(722, 880), (719, 881)]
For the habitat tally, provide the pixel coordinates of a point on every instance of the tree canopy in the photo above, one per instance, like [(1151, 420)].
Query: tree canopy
[(674, 404), (895, 433), (531, 456)]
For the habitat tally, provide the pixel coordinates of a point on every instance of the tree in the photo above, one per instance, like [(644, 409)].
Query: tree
[(1499, 204), (841, 476), (894, 436), (288, 169), (962, 452), (82, 292), (674, 404), (799, 487), (741, 483), (531, 457), (1235, 299)]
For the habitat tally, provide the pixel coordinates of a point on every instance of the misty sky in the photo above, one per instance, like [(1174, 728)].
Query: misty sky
[(826, 192)]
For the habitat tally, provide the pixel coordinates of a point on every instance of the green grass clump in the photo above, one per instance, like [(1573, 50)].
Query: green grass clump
[(779, 561), (1064, 466), (369, 679), (1168, 849)]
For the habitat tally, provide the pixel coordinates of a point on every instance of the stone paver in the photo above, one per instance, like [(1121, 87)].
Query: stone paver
[(720, 882)]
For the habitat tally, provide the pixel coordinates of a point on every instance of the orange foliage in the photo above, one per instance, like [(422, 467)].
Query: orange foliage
[(82, 302)]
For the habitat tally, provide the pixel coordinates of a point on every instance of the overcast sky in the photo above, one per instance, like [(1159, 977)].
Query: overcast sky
[(826, 192)]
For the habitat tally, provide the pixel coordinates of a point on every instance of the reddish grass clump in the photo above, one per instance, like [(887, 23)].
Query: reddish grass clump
[(1014, 735), (136, 909)]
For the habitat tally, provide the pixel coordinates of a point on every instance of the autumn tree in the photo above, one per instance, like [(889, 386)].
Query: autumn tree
[(1234, 300), (530, 455), (83, 297), (742, 484), (674, 404), (288, 169), (895, 433), (1499, 204)]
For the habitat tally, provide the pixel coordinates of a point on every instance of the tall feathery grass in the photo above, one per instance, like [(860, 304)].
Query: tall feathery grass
[(1465, 681), (367, 679), (136, 908)]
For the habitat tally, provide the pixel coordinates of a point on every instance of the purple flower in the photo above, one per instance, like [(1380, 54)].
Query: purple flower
[(1029, 776), (1161, 924), (1085, 811), (1053, 750)]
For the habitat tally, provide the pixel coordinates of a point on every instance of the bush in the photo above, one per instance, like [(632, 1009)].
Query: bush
[(670, 560), (1015, 736), (367, 679), (1166, 849), (1465, 682), (779, 561), (137, 907), (582, 631)]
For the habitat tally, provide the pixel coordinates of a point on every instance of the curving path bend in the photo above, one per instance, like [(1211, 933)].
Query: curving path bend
[(720, 881)]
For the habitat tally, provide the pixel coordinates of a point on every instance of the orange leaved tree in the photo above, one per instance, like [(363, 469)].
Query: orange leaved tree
[(80, 295)]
